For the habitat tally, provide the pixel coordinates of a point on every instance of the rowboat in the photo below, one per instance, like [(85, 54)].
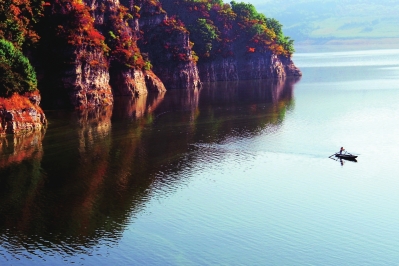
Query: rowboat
[(346, 156)]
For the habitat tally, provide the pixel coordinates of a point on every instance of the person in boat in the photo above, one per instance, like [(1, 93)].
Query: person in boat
[(341, 150)]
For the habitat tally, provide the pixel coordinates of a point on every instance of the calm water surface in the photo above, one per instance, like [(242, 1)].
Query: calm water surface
[(233, 174)]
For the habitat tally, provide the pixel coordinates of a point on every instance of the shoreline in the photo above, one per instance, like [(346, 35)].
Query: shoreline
[(346, 45)]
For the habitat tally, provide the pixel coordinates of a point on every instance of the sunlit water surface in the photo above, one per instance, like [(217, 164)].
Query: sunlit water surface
[(232, 174)]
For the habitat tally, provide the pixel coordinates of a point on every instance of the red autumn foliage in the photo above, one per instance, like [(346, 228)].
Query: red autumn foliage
[(122, 40), (17, 21), (15, 102), (76, 24), (20, 103)]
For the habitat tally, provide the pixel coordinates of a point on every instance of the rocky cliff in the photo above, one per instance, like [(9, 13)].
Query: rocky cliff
[(130, 47), (168, 46), (134, 83), (87, 79), (254, 66), (89, 51), (96, 54), (21, 114)]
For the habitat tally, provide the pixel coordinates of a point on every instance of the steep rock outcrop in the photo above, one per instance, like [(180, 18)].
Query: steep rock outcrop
[(182, 76), (234, 42), (91, 57), (135, 82), (128, 82), (73, 65), (21, 114), (178, 74), (87, 79), (125, 81), (153, 82), (290, 68), (92, 74), (254, 66), (168, 47)]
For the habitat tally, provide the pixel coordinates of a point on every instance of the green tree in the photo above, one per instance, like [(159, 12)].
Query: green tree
[(284, 41), (235, 29), (203, 33), (247, 11), (16, 73), (275, 25)]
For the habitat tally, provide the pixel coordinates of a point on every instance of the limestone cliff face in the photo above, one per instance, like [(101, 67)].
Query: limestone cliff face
[(153, 82), (181, 74), (21, 114), (87, 79), (256, 66), (134, 82), (91, 75), (168, 48), (128, 82), (290, 68), (125, 81)]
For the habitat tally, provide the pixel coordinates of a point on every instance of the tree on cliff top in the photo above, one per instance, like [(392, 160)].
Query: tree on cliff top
[(235, 29), (18, 19), (16, 73)]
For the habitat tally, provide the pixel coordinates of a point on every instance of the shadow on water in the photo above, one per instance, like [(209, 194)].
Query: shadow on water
[(94, 170)]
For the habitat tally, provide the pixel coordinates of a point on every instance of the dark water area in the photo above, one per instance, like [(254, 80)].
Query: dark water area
[(66, 189), (235, 173)]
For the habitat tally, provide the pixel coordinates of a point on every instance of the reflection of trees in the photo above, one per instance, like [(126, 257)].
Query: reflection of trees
[(96, 168), (72, 169), (20, 177), (89, 177), (243, 106)]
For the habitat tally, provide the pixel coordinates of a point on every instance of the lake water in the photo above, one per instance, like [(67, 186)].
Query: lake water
[(236, 173)]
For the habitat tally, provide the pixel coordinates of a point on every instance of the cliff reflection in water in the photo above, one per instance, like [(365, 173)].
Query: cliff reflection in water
[(94, 169)]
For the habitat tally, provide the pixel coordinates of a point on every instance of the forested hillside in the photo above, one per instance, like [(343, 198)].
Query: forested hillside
[(219, 29)]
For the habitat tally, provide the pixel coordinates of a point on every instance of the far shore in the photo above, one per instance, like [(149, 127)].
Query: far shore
[(346, 44)]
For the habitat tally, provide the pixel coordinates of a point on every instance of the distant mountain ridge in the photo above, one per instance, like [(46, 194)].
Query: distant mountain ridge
[(322, 21)]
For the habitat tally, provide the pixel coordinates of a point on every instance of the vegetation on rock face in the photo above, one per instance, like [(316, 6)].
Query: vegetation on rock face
[(203, 34), (17, 20), (16, 73), (51, 32), (166, 42), (122, 41), (73, 23), (219, 29), (76, 25)]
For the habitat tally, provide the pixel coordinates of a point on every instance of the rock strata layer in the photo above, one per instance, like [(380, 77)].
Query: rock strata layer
[(258, 66)]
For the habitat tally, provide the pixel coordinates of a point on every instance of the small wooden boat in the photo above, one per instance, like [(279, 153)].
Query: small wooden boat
[(346, 156)]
